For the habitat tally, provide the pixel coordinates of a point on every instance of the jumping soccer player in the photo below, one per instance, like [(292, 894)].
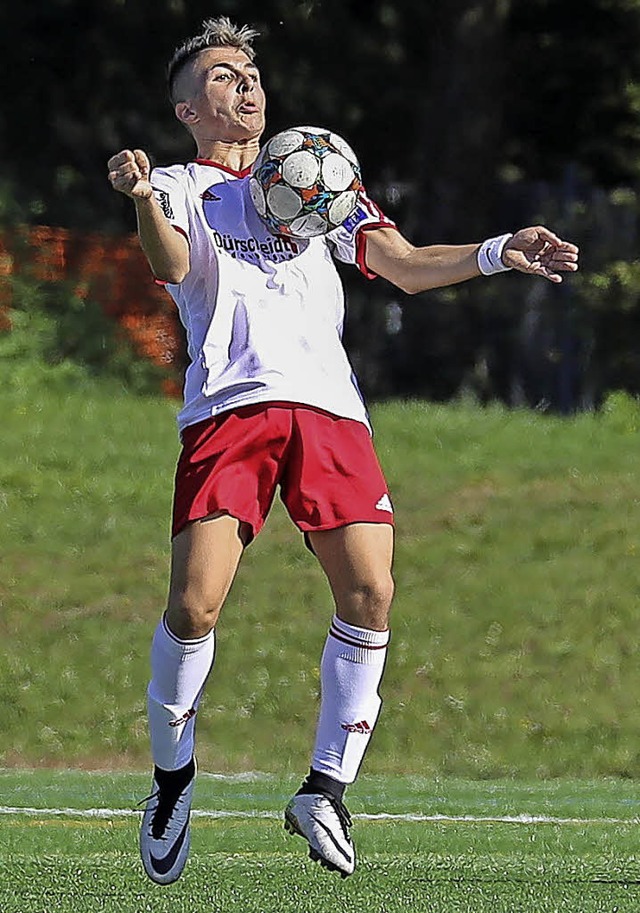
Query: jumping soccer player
[(270, 400)]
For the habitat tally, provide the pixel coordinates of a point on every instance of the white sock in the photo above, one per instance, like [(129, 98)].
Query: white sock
[(179, 670), (350, 673)]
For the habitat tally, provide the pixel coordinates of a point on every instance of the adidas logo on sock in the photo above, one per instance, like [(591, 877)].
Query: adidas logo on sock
[(362, 727), (183, 719)]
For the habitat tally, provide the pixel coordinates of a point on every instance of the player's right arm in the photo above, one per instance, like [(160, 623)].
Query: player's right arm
[(535, 250), (166, 249)]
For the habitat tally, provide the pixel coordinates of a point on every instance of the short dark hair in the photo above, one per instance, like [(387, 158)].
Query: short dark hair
[(216, 33)]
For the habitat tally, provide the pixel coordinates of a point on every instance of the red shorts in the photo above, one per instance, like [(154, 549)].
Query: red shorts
[(326, 467)]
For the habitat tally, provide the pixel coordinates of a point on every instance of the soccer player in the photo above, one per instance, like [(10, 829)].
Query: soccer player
[(270, 401)]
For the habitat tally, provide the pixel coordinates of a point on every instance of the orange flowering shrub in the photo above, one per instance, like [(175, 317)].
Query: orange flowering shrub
[(111, 271)]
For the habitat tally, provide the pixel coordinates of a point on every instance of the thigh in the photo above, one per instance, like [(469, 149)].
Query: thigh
[(231, 464), (333, 476), (204, 561), (357, 560)]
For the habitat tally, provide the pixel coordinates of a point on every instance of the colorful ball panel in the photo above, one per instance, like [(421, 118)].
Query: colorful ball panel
[(305, 182)]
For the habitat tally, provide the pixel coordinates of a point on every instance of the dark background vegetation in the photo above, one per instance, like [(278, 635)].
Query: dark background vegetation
[(470, 119)]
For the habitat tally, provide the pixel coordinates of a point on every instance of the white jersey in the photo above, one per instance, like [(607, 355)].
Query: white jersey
[(263, 314)]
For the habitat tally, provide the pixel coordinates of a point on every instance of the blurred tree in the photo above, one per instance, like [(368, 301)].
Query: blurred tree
[(419, 88), (81, 77), (573, 93), (448, 105)]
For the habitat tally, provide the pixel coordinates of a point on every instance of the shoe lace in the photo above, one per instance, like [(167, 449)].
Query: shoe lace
[(343, 815), (167, 801)]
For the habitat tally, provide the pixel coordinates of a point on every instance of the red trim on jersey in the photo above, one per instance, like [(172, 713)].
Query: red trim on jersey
[(361, 246), (180, 231), (237, 174)]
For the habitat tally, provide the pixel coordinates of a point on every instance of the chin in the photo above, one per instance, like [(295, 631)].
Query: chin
[(248, 131)]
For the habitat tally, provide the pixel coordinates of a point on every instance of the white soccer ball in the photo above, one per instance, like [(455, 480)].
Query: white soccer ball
[(305, 182)]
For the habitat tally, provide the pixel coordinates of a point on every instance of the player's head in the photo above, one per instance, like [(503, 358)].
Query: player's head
[(214, 82), (216, 33)]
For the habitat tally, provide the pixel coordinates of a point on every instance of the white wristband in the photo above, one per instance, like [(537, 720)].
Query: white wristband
[(490, 255)]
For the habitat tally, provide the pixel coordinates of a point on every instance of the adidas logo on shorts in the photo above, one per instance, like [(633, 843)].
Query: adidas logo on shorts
[(385, 503)]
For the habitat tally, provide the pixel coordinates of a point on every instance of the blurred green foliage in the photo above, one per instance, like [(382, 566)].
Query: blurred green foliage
[(447, 97), (470, 118), (61, 339)]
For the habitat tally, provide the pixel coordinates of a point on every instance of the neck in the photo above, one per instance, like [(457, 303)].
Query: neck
[(234, 155)]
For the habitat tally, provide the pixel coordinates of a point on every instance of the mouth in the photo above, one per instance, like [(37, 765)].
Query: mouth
[(248, 107)]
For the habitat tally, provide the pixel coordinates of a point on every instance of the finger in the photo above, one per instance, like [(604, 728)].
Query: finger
[(142, 161), (565, 252), (124, 182), (551, 267), (549, 273), (561, 260), (117, 178), (119, 159), (124, 175), (569, 247), (126, 170), (558, 259), (539, 269), (536, 268), (544, 234)]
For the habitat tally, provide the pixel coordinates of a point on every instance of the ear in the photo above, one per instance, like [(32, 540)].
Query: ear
[(185, 113)]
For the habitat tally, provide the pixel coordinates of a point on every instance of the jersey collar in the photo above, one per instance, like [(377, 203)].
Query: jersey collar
[(237, 174)]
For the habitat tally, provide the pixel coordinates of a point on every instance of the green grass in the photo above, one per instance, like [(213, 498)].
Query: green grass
[(513, 649), (585, 861)]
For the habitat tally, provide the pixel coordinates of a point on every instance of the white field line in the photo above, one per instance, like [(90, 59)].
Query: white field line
[(380, 816)]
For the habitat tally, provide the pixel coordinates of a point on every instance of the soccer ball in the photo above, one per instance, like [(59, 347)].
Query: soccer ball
[(305, 182)]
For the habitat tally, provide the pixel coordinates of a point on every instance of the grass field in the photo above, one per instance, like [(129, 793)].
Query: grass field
[(513, 665), (514, 629), (446, 846)]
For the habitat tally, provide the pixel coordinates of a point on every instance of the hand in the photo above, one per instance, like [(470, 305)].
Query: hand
[(129, 174), (539, 252)]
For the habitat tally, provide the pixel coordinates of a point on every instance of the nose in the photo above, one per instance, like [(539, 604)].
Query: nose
[(244, 86)]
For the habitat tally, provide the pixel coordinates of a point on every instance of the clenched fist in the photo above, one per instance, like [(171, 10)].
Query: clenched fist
[(129, 173)]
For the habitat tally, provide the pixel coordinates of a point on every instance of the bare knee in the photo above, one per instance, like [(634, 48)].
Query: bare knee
[(191, 615), (366, 604), (204, 561)]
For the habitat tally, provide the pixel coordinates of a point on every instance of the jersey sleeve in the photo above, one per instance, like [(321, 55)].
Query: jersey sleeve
[(171, 195), (348, 242)]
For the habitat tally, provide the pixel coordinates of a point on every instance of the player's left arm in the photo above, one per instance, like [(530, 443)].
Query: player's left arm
[(535, 250)]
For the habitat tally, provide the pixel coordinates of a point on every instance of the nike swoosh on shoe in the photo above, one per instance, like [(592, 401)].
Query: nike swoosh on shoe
[(164, 865), (327, 831)]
